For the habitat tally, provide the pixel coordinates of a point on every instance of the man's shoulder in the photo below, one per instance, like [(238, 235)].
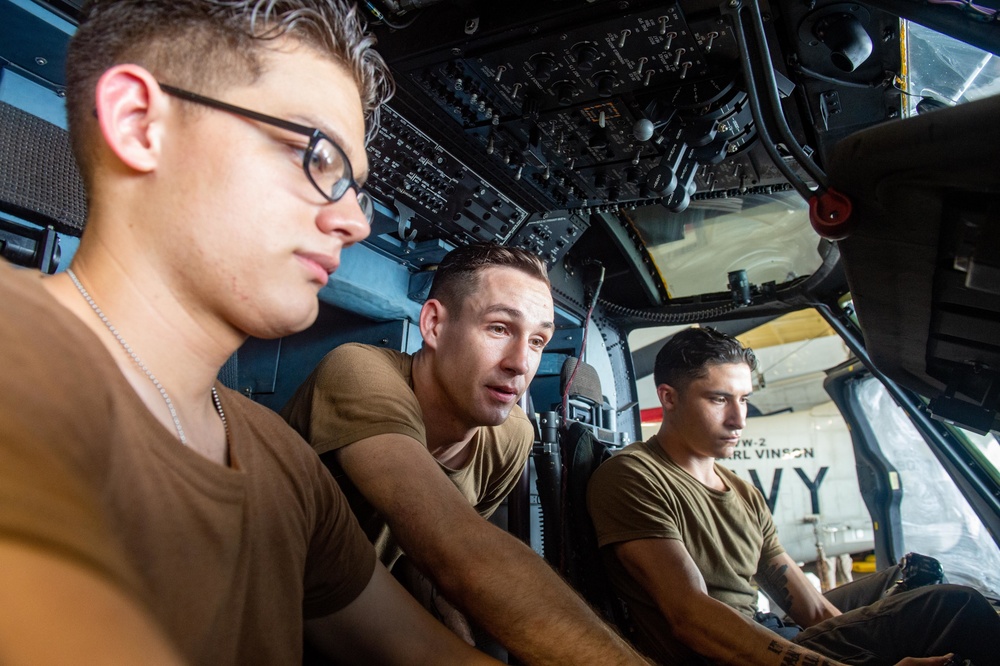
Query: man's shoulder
[(635, 456), (358, 354), (27, 309), (262, 425), (252, 411), (633, 462), (742, 486), (47, 352)]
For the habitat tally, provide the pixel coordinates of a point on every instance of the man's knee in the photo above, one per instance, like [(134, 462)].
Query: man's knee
[(951, 601), (963, 599)]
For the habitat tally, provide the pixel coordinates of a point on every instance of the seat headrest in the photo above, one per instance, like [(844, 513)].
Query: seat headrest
[(39, 179), (586, 383)]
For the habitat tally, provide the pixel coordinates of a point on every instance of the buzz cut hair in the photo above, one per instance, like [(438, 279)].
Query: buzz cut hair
[(458, 276), (688, 355), (206, 45)]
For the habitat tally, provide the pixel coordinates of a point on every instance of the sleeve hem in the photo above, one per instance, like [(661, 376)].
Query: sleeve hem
[(620, 537), (342, 598), (371, 430)]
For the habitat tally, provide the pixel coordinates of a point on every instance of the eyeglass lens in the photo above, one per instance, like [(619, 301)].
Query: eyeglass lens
[(328, 168)]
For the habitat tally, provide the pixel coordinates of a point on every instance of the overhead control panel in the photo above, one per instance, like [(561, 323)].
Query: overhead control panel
[(566, 115), (511, 113)]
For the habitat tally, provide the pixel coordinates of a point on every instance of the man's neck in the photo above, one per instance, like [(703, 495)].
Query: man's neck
[(448, 438), (180, 351), (701, 468)]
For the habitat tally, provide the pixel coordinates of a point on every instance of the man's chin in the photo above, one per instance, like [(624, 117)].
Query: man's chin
[(728, 450), (496, 417)]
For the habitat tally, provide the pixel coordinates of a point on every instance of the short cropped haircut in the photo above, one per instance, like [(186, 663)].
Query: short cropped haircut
[(688, 355), (458, 275), (206, 45)]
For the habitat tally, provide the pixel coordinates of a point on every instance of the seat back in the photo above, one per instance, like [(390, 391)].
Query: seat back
[(41, 192), (572, 443), (582, 453)]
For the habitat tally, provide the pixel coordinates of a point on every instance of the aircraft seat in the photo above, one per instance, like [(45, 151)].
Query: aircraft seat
[(584, 442), (41, 192)]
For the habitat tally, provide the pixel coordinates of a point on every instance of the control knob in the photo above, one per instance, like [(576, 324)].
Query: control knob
[(661, 180)]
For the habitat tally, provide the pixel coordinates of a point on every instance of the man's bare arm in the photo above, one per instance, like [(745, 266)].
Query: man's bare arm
[(785, 583), (385, 625), (709, 627), (497, 580), (54, 611)]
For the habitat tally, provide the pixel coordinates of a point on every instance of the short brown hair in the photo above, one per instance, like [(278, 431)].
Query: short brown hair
[(457, 276), (687, 355), (209, 44)]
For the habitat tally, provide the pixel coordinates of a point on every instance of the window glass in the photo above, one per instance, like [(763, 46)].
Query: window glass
[(936, 518), (985, 448), (946, 70), (767, 235)]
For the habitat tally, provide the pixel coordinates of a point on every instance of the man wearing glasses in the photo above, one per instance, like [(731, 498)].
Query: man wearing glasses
[(147, 514)]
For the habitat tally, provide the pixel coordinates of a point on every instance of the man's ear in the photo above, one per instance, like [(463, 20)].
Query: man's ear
[(130, 109), (432, 317), (668, 396)]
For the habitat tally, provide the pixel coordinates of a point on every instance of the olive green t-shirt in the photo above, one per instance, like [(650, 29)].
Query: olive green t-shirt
[(640, 493), (227, 560), (359, 391)]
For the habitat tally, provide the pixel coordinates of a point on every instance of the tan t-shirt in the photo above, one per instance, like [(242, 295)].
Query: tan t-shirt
[(228, 560), (641, 494), (358, 391)]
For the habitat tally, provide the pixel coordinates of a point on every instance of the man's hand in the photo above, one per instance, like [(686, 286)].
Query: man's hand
[(498, 581), (453, 619), (927, 661), (709, 627)]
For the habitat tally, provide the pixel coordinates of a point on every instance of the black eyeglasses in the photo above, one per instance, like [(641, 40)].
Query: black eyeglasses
[(325, 163)]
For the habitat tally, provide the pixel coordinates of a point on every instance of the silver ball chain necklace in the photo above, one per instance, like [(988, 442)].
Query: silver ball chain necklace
[(142, 366)]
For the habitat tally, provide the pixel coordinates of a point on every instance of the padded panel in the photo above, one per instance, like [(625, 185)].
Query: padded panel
[(586, 383), (39, 179), (924, 192)]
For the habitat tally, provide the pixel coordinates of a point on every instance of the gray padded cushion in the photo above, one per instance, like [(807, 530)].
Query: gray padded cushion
[(39, 180), (586, 383)]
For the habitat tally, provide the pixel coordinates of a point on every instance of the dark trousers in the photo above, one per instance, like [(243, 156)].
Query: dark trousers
[(925, 622)]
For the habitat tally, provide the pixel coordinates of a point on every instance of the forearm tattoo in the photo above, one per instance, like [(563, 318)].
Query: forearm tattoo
[(775, 583), (793, 655)]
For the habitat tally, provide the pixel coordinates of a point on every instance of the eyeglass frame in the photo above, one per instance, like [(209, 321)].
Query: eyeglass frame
[(315, 135)]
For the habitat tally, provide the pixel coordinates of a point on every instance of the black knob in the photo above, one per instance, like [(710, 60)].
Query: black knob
[(678, 203), (586, 56), (631, 175), (544, 65), (565, 92), (599, 139), (600, 180), (661, 180), (605, 85)]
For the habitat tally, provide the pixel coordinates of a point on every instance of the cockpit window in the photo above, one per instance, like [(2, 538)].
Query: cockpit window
[(935, 517), (767, 235), (986, 448), (941, 70)]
